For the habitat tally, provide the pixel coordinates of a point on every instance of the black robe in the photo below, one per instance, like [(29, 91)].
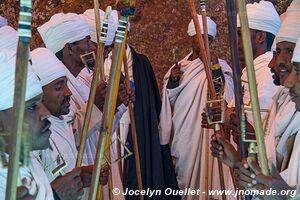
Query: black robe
[(156, 163)]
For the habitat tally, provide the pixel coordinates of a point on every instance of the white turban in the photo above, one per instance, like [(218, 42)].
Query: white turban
[(62, 29), (112, 24), (3, 21), (7, 80), (262, 16), (296, 54), (211, 27), (290, 28), (47, 66), (8, 38)]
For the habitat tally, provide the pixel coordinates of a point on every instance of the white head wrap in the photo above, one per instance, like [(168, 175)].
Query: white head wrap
[(7, 80), (62, 29), (47, 66), (289, 30), (8, 38), (262, 16), (211, 27), (3, 21), (112, 24), (296, 55)]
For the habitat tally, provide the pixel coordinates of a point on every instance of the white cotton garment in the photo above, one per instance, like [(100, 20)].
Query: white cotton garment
[(33, 177), (181, 117), (265, 86), (62, 29), (211, 27), (8, 38), (112, 24), (289, 30), (3, 21), (47, 66), (7, 80), (296, 54), (262, 16)]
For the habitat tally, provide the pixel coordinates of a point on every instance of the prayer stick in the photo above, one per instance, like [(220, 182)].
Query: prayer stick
[(97, 71), (16, 135), (252, 86), (133, 131)]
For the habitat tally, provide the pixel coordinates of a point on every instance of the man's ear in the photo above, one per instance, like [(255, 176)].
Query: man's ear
[(261, 37), (68, 49)]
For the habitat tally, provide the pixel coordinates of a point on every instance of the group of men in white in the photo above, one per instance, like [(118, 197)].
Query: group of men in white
[(58, 86)]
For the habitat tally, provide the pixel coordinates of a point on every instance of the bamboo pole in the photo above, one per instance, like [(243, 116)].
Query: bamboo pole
[(133, 131), (97, 71), (110, 104), (19, 101), (252, 86)]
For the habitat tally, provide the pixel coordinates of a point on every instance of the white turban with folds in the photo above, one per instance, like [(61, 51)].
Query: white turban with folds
[(262, 16), (7, 80), (112, 24), (290, 28), (211, 27), (296, 54), (62, 29), (3, 21), (8, 38), (47, 66)]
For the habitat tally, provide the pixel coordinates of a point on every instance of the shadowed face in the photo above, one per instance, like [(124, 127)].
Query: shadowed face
[(36, 124), (292, 81), (57, 97), (284, 54)]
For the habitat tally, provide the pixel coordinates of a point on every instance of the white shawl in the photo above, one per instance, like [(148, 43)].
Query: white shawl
[(181, 114), (33, 177)]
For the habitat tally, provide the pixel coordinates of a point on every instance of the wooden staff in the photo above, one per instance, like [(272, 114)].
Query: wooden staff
[(110, 104), (211, 87), (204, 19), (133, 130), (16, 136), (97, 71), (259, 133)]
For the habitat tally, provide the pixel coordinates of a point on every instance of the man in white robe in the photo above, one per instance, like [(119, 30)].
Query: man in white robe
[(183, 101), (68, 36), (283, 115), (264, 24), (35, 184), (63, 149)]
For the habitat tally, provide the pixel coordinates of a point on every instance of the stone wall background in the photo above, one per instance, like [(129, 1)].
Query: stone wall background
[(158, 26)]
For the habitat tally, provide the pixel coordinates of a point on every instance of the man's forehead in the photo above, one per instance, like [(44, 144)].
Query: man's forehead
[(285, 44)]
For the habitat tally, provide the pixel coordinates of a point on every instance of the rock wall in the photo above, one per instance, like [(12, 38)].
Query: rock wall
[(158, 26)]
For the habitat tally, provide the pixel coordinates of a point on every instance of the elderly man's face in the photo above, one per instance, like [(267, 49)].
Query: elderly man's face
[(36, 123), (284, 54), (292, 81), (57, 97)]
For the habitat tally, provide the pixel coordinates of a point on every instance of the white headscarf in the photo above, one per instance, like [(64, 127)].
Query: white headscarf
[(8, 38), (7, 80), (3, 21), (211, 27), (112, 24), (296, 54), (62, 29), (47, 66), (289, 30), (262, 16)]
